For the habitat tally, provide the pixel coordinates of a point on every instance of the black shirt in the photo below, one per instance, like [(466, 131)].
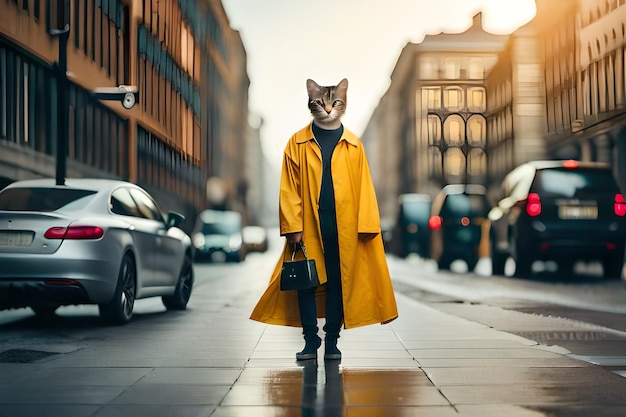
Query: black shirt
[(327, 140)]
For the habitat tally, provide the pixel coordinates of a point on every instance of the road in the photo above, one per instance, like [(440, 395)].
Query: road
[(590, 311)]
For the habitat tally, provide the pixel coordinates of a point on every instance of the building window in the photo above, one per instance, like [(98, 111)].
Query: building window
[(454, 130), (476, 132), (431, 98), (454, 165), (476, 100), (453, 98), (434, 129), (58, 14)]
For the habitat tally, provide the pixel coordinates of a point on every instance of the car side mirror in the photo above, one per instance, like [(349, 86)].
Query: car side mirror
[(174, 219)]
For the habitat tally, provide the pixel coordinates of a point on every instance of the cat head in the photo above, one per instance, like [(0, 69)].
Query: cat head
[(327, 104)]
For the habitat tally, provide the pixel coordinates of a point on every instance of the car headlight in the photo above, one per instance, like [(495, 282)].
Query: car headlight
[(198, 240), (235, 242)]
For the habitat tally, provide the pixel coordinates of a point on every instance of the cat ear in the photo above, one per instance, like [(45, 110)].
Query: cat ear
[(343, 84), (312, 88)]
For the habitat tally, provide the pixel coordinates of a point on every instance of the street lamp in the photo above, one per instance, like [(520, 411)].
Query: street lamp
[(60, 70), (126, 94)]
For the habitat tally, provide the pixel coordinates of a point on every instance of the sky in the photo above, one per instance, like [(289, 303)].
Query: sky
[(289, 41)]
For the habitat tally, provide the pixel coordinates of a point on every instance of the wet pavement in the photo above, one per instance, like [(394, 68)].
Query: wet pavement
[(213, 361)]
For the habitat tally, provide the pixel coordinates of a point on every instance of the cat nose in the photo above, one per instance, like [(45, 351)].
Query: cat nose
[(328, 109)]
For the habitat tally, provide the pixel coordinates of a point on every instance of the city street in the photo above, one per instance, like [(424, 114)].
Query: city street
[(464, 345)]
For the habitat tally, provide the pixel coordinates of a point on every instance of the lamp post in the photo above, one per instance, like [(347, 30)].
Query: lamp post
[(60, 70)]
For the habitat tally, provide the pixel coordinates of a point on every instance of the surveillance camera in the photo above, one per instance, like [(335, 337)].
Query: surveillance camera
[(129, 101)]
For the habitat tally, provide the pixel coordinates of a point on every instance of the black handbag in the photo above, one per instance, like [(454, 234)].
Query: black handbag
[(298, 275)]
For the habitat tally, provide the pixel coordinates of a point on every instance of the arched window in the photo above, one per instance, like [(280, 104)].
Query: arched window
[(454, 130), (476, 132)]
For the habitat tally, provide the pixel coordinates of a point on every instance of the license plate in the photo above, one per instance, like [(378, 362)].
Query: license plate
[(16, 238), (578, 212)]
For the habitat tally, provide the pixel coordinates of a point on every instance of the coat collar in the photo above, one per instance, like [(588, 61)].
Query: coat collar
[(306, 135)]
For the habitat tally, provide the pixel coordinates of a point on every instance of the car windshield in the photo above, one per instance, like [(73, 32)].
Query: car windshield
[(464, 205), (570, 183), (224, 224), (41, 199), (416, 210)]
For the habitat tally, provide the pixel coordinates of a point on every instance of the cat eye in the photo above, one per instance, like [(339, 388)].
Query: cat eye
[(337, 103), (318, 102)]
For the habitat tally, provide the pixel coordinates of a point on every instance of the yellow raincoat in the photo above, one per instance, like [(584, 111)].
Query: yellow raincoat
[(368, 296)]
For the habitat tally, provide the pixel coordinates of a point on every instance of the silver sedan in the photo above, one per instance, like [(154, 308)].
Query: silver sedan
[(90, 241)]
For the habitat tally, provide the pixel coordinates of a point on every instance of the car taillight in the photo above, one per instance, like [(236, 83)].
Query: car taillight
[(570, 164), (434, 222), (74, 232), (533, 205), (619, 206)]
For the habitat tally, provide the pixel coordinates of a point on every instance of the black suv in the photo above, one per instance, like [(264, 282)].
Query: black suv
[(562, 211), (459, 226), (411, 233)]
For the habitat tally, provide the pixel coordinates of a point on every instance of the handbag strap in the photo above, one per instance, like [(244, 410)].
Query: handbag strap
[(295, 249)]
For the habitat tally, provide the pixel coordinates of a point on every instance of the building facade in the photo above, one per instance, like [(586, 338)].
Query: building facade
[(190, 120), (435, 113), (470, 107)]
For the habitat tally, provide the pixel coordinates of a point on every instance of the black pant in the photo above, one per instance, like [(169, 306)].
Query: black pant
[(334, 302)]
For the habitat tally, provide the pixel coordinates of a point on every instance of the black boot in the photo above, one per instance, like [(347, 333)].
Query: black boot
[(308, 318), (330, 348), (312, 342)]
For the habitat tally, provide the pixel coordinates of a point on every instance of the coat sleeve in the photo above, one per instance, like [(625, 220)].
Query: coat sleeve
[(369, 217), (290, 199)]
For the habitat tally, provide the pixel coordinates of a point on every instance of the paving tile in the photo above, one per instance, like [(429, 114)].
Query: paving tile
[(503, 410), (58, 394), (263, 411), (398, 411), (353, 378), (86, 376), (173, 394), (193, 376), (10, 373), (156, 411), (394, 395), (511, 375), (533, 394), (270, 394), (47, 410), (583, 410), (466, 344), (272, 376), (487, 363), (388, 363), (510, 353)]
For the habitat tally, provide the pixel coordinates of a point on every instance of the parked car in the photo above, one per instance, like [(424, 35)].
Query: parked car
[(90, 241), (411, 233), (563, 211), (459, 225), (218, 236), (255, 238)]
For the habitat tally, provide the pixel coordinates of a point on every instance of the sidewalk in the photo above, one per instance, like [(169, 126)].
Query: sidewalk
[(213, 361), (426, 364)]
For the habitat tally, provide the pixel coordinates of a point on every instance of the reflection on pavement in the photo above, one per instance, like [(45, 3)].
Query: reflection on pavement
[(329, 402), (329, 390)]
